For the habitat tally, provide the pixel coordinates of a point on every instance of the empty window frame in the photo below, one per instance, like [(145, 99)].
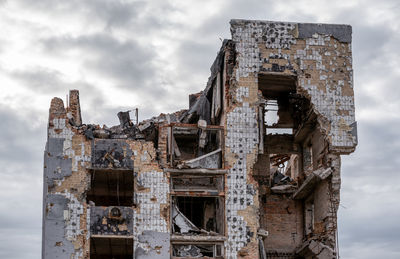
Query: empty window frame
[(188, 143), (277, 117), (106, 248), (111, 187), (275, 90), (197, 215)]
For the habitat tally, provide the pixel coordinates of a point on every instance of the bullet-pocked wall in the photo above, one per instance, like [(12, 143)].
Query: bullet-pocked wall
[(319, 57), (272, 195), (86, 178), (65, 214)]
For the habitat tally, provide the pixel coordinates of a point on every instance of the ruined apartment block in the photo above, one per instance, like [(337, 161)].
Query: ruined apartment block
[(250, 170)]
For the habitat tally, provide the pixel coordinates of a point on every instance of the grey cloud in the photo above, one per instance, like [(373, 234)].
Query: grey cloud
[(17, 141), (197, 56), (370, 41), (41, 79), (21, 152), (16, 218), (30, 243), (368, 219), (127, 62), (52, 83), (365, 99), (49, 82), (377, 150), (142, 16), (369, 213), (112, 12), (108, 115), (384, 229), (218, 24)]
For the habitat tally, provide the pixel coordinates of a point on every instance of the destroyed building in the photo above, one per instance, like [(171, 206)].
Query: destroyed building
[(250, 170)]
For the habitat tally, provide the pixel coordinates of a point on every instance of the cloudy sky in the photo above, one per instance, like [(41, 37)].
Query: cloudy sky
[(151, 54)]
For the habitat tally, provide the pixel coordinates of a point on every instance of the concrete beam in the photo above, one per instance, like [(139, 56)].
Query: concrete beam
[(308, 185)]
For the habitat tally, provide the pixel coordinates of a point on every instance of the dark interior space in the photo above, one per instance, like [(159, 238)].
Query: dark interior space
[(275, 86), (187, 144), (203, 212), (190, 142), (111, 188), (111, 248)]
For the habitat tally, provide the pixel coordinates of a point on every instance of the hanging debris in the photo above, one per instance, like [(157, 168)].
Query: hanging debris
[(187, 251), (183, 224)]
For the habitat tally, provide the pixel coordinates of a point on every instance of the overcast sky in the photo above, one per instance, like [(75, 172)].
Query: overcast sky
[(151, 55)]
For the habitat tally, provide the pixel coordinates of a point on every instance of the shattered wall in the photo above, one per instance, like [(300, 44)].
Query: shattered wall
[(241, 208), (272, 195), (67, 154), (319, 55), (72, 158)]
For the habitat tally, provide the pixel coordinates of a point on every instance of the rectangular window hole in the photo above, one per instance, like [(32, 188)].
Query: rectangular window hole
[(196, 214), (111, 188), (115, 248)]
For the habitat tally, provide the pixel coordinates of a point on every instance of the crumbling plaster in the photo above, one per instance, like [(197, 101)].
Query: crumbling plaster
[(321, 58), (317, 55)]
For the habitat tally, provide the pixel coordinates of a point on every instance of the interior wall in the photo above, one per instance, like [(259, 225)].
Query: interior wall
[(283, 219)]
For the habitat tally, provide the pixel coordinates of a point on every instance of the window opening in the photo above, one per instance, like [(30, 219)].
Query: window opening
[(115, 248), (111, 188)]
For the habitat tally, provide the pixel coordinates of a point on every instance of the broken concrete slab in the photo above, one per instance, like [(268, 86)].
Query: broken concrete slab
[(210, 160), (308, 185), (293, 67), (283, 189)]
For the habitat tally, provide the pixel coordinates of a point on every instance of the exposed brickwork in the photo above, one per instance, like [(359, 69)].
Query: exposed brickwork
[(281, 191), (283, 219)]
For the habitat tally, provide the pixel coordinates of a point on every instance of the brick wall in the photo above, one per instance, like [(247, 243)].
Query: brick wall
[(282, 217)]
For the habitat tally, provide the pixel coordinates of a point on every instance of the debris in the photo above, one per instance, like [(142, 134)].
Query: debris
[(188, 251), (109, 157), (101, 133), (175, 147), (125, 120), (286, 188), (277, 160), (202, 124), (183, 223), (144, 126), (262, 233), (209, 181), (89, 131), (261, 247), (280, 178), (210, 160)]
